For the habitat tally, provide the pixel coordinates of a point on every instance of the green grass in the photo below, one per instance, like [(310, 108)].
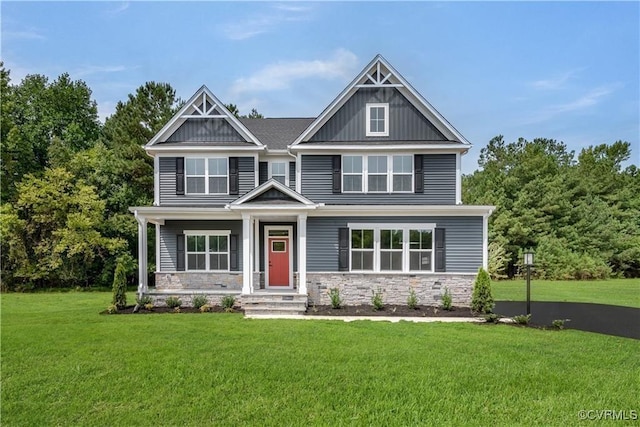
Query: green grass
[(63, 364), (624, 292)]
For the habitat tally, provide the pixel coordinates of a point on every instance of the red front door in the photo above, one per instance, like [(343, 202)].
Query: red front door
[(278, 261)]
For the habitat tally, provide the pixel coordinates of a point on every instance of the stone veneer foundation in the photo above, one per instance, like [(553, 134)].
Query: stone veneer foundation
[(202, 281), (356, 288)]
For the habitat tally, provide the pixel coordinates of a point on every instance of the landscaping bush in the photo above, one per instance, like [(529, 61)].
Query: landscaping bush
[(120, 286), (334, 295), (412, 301), (558, 324), (446, 300), (173, 302), (205, 308), (228, 302), (492, 318), (199, 300), (522, 319), (145, 300), (377, 301), (482, 300), (112, 309)]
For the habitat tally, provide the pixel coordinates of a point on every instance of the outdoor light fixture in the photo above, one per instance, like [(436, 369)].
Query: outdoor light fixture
[(528, 261)]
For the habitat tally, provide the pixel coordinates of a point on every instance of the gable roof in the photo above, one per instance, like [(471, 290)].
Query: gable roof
[(277, 133), (203, 105), (379, 73), (291, 195)]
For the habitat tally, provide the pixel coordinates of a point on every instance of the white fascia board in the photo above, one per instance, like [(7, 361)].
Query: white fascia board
[(160, 214), (293, 208), (175, 122), (335, 104), (409, 210), (413, 148), (198, 149)]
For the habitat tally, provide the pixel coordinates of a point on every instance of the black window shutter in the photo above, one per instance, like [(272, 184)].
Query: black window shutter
[(234, 178), (418, 173), (337, 174), (180, 176), (343, 249), (441, 260), (180, 252), (263, 172), (233, 252)]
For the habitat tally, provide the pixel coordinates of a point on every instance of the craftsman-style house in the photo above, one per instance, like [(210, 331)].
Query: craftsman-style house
[(364, 197)]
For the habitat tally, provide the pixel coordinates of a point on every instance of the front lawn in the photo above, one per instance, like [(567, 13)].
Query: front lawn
[(624, 292), (63, 364)]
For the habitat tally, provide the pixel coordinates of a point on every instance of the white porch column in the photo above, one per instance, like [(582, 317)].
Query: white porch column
[(142, 254), (302, 254), (247, 255), (485, 242), (256, 239)]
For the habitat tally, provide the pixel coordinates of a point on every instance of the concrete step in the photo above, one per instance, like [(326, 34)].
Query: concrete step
[(272, 303), (270, 311)]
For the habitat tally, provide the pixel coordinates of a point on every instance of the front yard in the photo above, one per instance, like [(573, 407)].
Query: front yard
[(64, 364)]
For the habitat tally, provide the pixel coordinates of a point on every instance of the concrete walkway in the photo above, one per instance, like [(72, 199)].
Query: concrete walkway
[(391, 319)]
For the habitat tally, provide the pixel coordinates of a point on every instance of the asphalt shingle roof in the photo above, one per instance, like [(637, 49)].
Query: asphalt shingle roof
[(276, 134)]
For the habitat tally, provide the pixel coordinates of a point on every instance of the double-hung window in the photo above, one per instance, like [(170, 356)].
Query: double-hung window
[(278, 171), (377, 174), (401, 247), (352, 174), (377, 120), (207, 175), (208, 251)]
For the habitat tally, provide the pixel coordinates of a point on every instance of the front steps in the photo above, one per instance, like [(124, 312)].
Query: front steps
[(273, 303)]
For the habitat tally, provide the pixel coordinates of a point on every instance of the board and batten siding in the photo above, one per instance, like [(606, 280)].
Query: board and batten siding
[(463, 240), (168, 195), (206, 130), (439, 184), (406, 123), (170, 230)]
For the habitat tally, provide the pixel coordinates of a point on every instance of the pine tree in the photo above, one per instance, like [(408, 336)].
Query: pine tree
[(482, 300)]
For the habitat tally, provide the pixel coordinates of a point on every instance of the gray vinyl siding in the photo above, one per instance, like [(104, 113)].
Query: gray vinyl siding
[(169, 232), (463, 240), (292, 175), (439, 184), (206, 130), (168, 195), (406, 123)]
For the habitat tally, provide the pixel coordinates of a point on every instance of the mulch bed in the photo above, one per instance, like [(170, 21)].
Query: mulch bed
[(388, 311), (157, 310)]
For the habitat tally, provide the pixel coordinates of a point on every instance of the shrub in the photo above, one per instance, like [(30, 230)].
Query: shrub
[(205, 308), (173, 302), (177, 310), (492, 318), (482, 300), (112, 309), (446, 300), (228, 302), (522, 319), (558, 324), (199, 301), (412, 301), (334, 295), (120, 286), (148, 307), (377, 301), (144, 301)]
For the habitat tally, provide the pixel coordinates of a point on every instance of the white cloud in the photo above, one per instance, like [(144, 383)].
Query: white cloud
[(557, 82), (281, 74), (24, 35), (97, 69), (266, 22), (119, 8)]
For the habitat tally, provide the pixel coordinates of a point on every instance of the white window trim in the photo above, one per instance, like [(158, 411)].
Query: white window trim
[(207, 234), (386, 119), (206, 174), (365, 174), (286, 170), (406, 247)]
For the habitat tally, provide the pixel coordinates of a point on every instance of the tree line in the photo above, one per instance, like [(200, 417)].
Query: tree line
[(67, 181)]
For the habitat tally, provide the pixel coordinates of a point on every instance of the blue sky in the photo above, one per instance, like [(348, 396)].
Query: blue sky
[(562, 70)]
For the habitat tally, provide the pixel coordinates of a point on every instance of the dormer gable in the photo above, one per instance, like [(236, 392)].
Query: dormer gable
[(204, 120), (380, 106), (272, 192)]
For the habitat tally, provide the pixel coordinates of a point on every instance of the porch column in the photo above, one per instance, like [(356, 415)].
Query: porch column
[(247, 255), (302, 254), (142, 254)]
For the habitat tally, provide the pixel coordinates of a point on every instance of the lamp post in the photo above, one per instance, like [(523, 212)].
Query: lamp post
[(528, 261)]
